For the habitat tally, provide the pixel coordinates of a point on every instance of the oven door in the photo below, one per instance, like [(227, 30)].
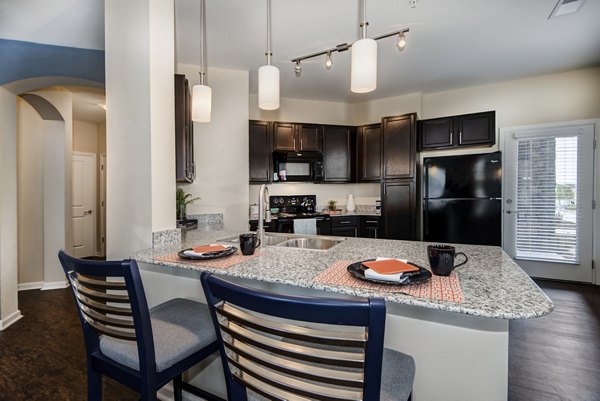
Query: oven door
[(285, 226)]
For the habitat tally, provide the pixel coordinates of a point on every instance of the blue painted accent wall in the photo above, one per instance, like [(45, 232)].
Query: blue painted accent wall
[(21, 60)]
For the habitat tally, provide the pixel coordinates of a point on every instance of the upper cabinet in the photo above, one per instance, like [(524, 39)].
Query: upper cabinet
[(260, 157), (477, 129), (294, 137), (369, 153), (185, 169), (399, 146), (338, 160)]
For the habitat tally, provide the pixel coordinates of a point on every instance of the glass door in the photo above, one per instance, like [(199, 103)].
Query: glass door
[(548, 200)]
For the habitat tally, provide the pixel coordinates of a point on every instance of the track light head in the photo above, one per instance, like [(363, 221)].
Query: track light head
[(328, 61), (401, 43), (298, 69)]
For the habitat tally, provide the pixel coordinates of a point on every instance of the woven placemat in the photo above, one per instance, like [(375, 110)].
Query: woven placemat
[(438, 288), (219, 263)]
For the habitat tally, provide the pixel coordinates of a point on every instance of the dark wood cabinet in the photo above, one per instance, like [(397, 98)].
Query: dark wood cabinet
[(338, 160), (345, 226), (369, 153), (185, 168), (399, 146), (369, 227), (476, 129), (398, 200), (297, 137), (260, 154)]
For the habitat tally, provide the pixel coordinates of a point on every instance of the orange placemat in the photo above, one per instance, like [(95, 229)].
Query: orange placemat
[(438, 288), (219, 263)]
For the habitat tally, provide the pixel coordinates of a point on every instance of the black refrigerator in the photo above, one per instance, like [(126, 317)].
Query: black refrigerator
[(462, 199)]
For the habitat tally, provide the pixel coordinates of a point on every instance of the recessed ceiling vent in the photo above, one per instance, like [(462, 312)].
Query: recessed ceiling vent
[(566, 7)]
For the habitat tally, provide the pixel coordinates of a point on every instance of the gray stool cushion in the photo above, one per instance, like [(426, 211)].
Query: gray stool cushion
[(180, 327), (397, 376)]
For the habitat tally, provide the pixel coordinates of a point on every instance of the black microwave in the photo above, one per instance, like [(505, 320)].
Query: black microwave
[(298, 166)]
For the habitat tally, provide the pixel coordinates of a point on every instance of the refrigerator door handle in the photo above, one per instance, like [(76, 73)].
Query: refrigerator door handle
[(495, 198), (425, 225)]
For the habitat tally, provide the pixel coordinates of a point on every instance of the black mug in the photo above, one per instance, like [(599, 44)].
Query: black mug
[(248, 243), (441, 259)]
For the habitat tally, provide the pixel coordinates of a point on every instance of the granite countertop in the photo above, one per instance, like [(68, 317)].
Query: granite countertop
[(493, 285)]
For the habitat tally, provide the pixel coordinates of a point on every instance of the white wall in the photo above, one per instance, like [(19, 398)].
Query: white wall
[(221, 148), (30, 184), (372, 112), (139, 123), (9, 311), (299, 110)]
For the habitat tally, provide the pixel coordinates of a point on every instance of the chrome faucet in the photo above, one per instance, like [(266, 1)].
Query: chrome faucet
[(264, 213)]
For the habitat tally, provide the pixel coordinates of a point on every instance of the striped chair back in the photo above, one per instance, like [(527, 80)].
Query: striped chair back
[(297, 348)]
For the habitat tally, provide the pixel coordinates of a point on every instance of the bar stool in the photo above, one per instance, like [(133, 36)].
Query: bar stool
[(288, 347), (141, 348)]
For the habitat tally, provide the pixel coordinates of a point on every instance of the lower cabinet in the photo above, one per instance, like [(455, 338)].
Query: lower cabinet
[(345, 226), (398, 209), (369, 227)]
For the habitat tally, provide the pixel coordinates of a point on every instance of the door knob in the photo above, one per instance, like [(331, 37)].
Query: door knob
[(88, 212)]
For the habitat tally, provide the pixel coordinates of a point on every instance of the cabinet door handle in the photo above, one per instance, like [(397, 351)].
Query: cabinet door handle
[(460, 137), (371, 221), (345, 222), (301, 143), (376, 233), (294, 143), (355, 232), (451, 138)]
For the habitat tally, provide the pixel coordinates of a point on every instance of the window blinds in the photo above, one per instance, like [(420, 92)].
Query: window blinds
[(548, 211)]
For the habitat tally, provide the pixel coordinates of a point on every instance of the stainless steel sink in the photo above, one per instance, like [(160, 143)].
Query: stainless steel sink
[(310, 243), (320, 243)]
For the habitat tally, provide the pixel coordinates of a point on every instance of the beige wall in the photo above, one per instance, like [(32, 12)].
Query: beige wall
[(9, 311), (221, 148), (299, 110), (85, 137), (372, 112), (30, 181)]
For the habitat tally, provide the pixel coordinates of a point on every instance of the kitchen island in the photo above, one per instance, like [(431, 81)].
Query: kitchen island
[(460, 345)]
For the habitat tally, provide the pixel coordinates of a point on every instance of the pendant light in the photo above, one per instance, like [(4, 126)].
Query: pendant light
[(268, 75), (363, 69), (202, 94)]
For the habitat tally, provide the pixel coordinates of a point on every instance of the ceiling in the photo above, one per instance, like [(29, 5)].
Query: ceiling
[(451, 44)]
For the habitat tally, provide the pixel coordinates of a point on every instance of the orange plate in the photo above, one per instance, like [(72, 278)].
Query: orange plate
[(208, 248), (391, 266)]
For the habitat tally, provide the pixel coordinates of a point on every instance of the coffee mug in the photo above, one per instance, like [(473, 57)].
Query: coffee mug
[(248, 243), (441, 259)]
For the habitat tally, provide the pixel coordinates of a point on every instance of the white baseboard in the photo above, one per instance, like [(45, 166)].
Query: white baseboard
[(13, 317), (36, 285), (54, 285)]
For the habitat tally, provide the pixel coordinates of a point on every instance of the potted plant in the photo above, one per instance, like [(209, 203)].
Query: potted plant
[(182, 199), (331, 204)]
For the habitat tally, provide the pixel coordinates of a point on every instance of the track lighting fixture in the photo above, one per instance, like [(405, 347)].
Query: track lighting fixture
[(363, 77), (298, 69)]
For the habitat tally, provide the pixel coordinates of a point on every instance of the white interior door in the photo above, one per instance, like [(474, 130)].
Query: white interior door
[(83, 203), (548, 199)]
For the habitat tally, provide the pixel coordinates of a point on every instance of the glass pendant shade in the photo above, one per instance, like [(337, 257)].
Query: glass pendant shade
[(268, 87), (363, 77), (201, 103)]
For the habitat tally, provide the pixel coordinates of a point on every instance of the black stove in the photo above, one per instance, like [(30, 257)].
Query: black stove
[(287, 208)]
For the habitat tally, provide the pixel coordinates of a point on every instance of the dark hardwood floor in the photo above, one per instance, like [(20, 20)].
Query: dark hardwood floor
[(42, 355), (556, 357)]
